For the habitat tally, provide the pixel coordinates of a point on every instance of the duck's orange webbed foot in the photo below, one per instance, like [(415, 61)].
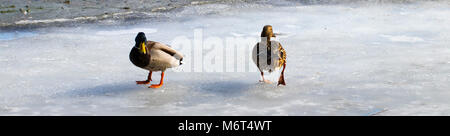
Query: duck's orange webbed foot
[(265, 81), (160, 82), (155, 86), (149, 78), (281, 82), (143, 82)]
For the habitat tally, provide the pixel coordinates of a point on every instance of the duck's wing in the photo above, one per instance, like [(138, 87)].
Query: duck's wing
[(282, 54), (167, 49)]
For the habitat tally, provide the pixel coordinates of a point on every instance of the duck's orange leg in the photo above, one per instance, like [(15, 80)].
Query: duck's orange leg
[(262, 75), (281, 80), (149, 78), (160, 82), (264, 80)]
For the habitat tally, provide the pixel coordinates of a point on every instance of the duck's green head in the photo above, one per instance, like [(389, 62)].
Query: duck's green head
[(140, 42)]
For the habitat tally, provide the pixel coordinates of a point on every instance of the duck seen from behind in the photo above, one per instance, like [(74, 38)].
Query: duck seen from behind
[(269, 55), (153, 56)]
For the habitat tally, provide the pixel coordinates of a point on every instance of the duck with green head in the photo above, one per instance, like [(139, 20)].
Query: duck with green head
[(153, 56)]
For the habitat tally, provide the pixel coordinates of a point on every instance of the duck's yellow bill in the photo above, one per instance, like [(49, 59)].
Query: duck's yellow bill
[(143, 49)]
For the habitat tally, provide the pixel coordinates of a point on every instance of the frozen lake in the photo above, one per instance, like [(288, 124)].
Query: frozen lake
[(354, 59)]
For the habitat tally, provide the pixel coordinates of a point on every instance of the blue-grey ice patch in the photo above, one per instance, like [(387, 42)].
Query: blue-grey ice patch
[(15, 35)]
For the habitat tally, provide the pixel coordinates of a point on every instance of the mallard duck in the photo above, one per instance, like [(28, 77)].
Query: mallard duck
[(269, 55), (153, 56)]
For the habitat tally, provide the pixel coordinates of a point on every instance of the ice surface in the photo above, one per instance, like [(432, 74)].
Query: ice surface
[(391, 59)]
